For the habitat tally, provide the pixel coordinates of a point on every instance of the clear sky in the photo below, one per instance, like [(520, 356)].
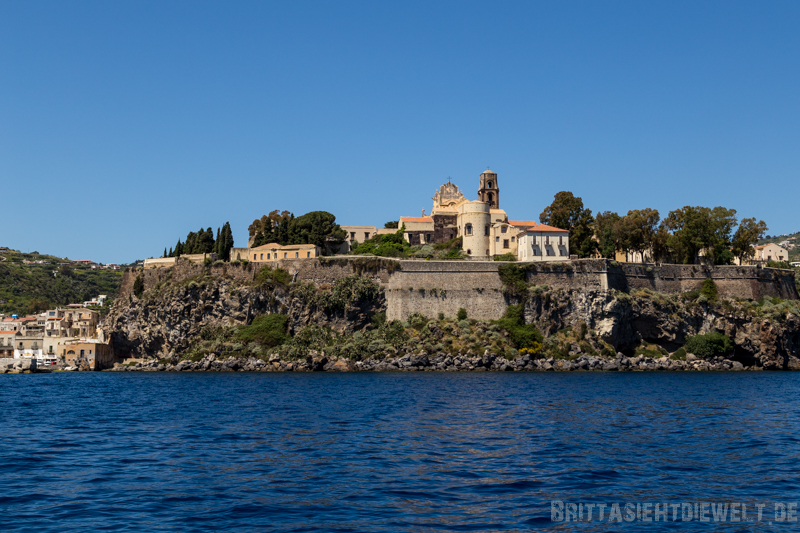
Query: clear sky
[(125, 125)]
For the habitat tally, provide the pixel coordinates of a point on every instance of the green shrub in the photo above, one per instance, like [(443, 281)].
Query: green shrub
[(506, 257), (779, 264), (679, 355), (709, 290), (417, 320), (138, 286), (522, 335), (379, 319), (709, 345), (266, 330), (267, 276), (441, 316), (513, 279), (462, 314), (690, 296)]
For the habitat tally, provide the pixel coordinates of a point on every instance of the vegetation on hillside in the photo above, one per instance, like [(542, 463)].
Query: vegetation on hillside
[(28, 289)]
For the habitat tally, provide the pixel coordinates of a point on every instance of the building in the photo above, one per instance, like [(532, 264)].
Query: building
[(90, 352), (540, 242), (357, 234), (770, 252), (170, 261), (453, 215), (8, 343), (275, 252)]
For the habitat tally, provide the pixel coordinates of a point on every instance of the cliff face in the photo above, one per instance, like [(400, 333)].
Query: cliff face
[(166, 320), (177, 305), (764, 334)]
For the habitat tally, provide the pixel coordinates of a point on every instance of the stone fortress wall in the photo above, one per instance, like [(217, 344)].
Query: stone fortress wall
[(433, 287)]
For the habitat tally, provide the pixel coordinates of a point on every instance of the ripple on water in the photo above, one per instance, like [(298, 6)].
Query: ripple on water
[(383, 452)]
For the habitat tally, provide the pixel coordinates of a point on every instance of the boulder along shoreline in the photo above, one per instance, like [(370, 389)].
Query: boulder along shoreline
[(442, 363)]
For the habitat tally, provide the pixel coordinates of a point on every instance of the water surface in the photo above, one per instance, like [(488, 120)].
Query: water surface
[(386, 451)]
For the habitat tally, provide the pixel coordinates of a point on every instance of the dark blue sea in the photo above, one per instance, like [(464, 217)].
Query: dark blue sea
[(395, 451)]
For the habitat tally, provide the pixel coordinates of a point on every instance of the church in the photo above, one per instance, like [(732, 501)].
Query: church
[(485, 229)]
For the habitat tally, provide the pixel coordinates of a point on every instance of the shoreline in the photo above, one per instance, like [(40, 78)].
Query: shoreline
[(445, 363)]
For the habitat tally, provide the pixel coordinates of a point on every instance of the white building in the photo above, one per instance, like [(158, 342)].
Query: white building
[(542, 243)]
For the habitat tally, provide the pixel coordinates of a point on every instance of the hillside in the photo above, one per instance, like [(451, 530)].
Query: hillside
[(30, 288)]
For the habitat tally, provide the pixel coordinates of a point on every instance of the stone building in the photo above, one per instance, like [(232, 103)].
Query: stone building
[(274, 252), (453, 215)]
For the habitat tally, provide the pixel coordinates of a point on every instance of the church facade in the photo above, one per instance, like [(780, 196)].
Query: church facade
[(484, 228)]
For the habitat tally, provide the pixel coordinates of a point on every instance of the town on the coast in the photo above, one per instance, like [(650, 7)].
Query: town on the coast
[(463, 259)]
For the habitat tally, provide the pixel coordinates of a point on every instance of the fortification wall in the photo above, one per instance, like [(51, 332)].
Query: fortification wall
[(745, 282), (433, 287)]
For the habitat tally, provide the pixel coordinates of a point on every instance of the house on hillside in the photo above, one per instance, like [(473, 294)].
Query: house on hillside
[(275, 252), (770, 252)]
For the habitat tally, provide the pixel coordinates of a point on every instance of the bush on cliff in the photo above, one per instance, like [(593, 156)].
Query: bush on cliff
[(513, 279), (269, 277), (709, 290), (523, 336), (506, 257), (709, 345), (138, 286), (391, 245), (266, 330)]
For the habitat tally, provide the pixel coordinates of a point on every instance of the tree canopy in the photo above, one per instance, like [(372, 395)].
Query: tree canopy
[(317, 227)]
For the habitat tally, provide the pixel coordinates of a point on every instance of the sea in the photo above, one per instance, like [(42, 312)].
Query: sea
[(391, 452)]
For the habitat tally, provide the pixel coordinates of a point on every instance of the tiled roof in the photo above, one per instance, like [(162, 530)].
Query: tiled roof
[(523, 223), (416, 219), (10, 333), (545, 227)]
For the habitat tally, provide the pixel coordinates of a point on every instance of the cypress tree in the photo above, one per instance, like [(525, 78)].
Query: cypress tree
[(217, 248), (165, 252), (170, 252)]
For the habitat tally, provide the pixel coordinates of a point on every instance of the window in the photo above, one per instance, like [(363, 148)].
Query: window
[(512, 239), (489, 184), (308, 254), (468, 229), (82, 353), (366, 235), (285, 255), (547, 240), (262, 256), (497, 239), (535, 251), (352, 235), (469, 252), (504, 229), (562, 252), (296, 255), (491, 197), (255, 256), (486, 230), (427, 237), (505, 243), (561, 240)]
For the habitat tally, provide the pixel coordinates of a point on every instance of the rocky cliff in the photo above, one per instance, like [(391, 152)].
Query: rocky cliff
[(171, 318)]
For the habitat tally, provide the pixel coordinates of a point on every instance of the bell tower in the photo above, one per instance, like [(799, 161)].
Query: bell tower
[(489, 191)]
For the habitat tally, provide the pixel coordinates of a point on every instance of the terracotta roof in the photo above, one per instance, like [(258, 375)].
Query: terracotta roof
[(10, 333), (523, 223), (545, 227), (416, 219), (762, 246)]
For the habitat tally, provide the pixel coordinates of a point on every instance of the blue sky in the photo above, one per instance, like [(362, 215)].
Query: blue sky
[(125, 125)]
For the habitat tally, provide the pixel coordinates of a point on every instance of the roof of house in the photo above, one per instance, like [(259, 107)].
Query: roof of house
[(530, 225), (276, 246), (10, 333), (416, 219)]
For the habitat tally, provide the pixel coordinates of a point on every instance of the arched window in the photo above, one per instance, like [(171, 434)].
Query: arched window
[(71, 352), (491, 197), (468, 229), (489, 184), (469, 252)]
